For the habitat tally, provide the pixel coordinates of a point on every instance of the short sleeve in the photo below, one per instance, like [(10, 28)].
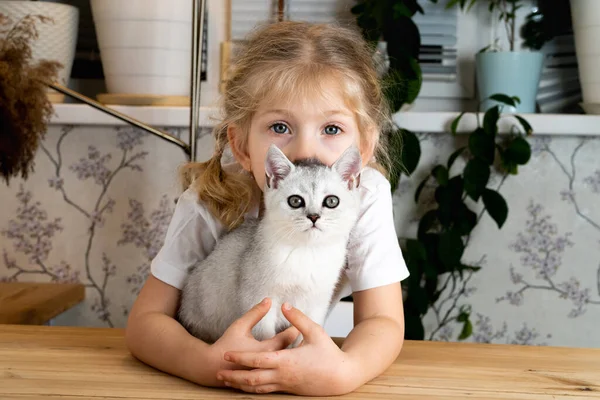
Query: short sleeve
[(191, 236), (374, 255)]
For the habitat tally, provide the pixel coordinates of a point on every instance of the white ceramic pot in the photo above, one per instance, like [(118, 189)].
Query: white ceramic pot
[(145, 45), (57, 40), (586, 29)]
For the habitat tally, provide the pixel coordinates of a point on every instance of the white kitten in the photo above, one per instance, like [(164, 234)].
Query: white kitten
[(295, 253)]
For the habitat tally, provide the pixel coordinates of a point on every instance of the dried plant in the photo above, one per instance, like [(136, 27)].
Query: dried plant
[(25, 109)]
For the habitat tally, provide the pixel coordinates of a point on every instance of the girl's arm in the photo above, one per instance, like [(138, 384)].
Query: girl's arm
[(378, 334), (155, 337)]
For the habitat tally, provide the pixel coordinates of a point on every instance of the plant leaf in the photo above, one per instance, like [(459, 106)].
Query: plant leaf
[(454, 125), (490, 120), (464, 219), (415, 250), (395, 90), (451, 3), (451, 249), (414, 329), (440, 173), (426, 223), (482, 146), (467, 330), (420, 298), (518, 151), (526, 127), (476, 176), (402, 10), (495, 205), (411, 151), (420, 189), (454, 156), (502, 98)]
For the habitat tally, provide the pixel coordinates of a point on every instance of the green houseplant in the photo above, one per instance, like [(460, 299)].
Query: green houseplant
[(390, 22), (434, 257), (512, 70)]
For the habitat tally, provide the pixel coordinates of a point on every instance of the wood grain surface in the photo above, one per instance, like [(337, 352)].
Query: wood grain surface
[(37, 303), (93, 363)]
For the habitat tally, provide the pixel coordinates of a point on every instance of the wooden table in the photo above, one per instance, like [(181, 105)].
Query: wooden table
[(37, 303), (93, 363)]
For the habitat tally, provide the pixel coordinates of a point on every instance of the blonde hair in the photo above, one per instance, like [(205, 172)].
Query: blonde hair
[(280, 61)]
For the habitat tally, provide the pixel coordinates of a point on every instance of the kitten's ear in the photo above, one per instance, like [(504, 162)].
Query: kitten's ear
[(349, 166), (277, 167)]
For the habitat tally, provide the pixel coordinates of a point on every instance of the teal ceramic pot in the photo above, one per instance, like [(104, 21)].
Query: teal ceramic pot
[(514, 73)]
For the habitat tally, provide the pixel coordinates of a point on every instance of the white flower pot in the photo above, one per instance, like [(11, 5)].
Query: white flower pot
[(586, 28), (145, 45), (57, 40)]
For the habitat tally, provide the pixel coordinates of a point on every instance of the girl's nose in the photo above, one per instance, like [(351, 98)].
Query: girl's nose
[(301, 148)]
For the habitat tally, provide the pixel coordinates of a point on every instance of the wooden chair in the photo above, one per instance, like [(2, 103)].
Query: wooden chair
[(26, 303)]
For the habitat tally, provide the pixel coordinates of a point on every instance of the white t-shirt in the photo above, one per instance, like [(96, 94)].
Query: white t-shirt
[(374, 255)]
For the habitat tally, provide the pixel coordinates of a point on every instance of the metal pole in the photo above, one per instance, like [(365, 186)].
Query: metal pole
[(125, 118), (198, 9)]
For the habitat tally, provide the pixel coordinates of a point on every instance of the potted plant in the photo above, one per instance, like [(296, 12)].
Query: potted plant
[(506, 70), (25, 111)]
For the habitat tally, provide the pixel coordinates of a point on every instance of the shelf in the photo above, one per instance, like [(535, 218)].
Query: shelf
[(158, 117), (542, 124), (166, 117)]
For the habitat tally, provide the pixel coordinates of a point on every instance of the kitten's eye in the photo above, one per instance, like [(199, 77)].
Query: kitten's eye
[(279, 128), (332, 130), (331, 201), (296, 201)]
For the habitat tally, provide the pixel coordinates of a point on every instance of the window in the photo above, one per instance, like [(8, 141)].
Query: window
[(246, 14), (559, 89)]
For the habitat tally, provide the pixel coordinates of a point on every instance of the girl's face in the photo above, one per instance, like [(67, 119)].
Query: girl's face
[(322, 128)]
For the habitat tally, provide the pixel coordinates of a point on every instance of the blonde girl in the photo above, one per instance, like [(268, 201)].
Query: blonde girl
[(313, 91)]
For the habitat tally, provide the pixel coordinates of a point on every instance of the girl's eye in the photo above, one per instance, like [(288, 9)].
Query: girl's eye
[(295, 201), (332, 130), (279, 128), (331, 201)]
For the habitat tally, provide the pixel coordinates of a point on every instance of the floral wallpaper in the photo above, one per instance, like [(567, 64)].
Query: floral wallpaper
[(98, 205), (540, 276)]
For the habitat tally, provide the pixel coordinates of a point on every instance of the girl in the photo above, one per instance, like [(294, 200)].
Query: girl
[(313, 91)]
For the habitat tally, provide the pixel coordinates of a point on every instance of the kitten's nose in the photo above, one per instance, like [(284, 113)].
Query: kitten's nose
[(313, 217)]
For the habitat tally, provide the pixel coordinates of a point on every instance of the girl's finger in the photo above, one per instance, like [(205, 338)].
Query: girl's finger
[(255, 389), (282, 340), (305, 325), (247, 321), (265, 360), (254, 378)]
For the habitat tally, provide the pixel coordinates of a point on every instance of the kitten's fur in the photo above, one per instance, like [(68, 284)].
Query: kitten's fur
[(281, 256)]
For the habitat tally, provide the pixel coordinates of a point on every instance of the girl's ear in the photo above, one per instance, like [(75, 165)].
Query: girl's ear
[(240, 154)]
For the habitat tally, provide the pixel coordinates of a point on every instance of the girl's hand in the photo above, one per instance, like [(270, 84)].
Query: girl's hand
[(239, 337), (316, 368)]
